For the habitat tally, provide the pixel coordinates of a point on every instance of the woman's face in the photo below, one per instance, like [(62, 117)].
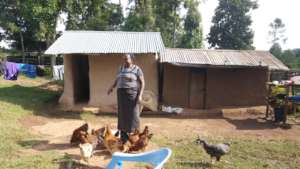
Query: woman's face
[(127, 60)]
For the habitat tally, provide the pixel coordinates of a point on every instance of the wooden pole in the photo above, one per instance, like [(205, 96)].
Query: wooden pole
[(269, 89), (205, 89), (286, 101), (22, 45), (268, 86)]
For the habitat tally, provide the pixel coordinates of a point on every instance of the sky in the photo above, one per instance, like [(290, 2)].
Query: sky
[(268, 10)]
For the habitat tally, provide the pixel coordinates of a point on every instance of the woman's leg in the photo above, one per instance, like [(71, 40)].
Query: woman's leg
[(124, 137)]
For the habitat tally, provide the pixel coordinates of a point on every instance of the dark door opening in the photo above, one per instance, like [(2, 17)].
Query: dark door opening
[(81, 78)]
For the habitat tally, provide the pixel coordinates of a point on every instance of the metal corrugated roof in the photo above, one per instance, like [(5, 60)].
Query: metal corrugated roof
[(222, 58), (88, 42)]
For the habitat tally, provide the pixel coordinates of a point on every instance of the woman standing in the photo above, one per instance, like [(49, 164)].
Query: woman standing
[(130, 87)]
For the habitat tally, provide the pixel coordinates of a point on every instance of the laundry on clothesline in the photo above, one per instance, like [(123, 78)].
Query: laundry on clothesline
[(58, 72), (27, 69)]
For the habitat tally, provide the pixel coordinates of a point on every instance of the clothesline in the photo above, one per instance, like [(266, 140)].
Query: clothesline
[(11, 70)]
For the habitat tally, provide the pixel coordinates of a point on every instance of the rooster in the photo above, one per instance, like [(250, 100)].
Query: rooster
[(216, 151), (80, 135)]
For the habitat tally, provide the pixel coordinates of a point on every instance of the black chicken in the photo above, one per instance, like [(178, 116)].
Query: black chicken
[(216, 151)]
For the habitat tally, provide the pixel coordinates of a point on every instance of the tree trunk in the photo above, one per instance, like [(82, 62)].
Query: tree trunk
[(22, 45), (174, 29), (53, 57)]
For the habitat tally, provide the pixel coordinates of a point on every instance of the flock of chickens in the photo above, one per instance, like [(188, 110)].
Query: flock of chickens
[(136, 142), (108, 138)]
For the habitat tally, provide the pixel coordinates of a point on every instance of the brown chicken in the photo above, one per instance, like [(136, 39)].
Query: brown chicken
[(134, 137), (113, 143), (80, 135), (142, 142)]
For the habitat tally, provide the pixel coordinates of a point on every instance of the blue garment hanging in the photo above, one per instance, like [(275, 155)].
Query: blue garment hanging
[(28, 69)]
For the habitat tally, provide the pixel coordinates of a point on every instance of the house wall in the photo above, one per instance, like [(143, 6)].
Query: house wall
[(67, 98), (224, 87), (236, 87), (175, 85), (103, 71)]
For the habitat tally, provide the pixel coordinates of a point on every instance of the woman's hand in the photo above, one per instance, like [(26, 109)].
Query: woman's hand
[(110, 90), (140, 99)]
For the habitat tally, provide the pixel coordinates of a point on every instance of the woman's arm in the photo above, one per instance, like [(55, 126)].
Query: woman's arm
[(142, 82), (110, 90)]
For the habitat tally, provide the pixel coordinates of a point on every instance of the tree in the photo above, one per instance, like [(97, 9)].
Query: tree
[(192, 37), (30, 24), (168, 21), (276, 50), (277, 32), (289, 58), (231, 25), (140, 16), (93, 15)]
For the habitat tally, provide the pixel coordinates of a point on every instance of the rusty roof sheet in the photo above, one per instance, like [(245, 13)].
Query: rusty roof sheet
[(91, 42), (225, 58)]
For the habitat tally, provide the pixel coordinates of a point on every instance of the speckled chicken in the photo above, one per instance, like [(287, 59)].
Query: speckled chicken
[(217, 150)]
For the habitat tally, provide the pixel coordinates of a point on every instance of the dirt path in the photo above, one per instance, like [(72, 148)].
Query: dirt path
[(55, 133)]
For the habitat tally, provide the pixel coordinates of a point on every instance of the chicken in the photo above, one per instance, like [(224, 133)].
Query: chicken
[(142, 142), (134, 137), (79, 135), (92, 138), (86, 151), (216, 151), (113, 143)]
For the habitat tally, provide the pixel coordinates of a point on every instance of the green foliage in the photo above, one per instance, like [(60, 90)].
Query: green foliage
[(231, 25), (140, 17), (192, 37), (8, 52), (288, 57), (276, 50), (168, 21), (33, 23), (32, 20), (161, 16), (93, 15)]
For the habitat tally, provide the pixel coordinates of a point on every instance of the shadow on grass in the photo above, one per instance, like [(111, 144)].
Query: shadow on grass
[(40, 101), (44, 145), (72, 162), (194, 164)]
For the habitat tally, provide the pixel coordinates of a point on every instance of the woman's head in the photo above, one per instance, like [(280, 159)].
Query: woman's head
[(128, 59)]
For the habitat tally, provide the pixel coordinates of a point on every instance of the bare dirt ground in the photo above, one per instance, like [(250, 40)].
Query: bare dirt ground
[(55, 132)]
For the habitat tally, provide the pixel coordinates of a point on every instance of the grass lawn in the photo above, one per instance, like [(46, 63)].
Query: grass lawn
[(17, 101), (23, 98)]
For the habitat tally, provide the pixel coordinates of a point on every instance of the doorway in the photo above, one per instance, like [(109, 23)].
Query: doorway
[(81, 78)]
